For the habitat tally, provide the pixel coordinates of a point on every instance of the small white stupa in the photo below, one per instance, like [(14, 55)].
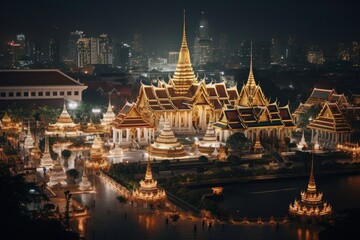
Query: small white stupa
[(302, 142), (161, 124), (85, 183)]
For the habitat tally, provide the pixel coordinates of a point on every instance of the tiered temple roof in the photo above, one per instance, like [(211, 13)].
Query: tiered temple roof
[(241, 117), (64, 124), (330, 118), (148, 190), (97, 157), (311, 204), (166, 145), (183, 90), (7, 125), (130, 117)]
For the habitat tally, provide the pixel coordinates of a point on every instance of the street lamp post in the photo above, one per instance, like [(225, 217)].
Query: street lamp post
[(67, 198)]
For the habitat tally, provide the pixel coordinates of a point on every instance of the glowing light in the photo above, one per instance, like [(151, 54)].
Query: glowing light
[(96, 110)]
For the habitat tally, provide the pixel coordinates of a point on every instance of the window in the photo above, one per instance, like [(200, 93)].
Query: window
[(62, 93), (76, 93), (26, 94), (3, 94), (68, 93), (18, 94), (54, 93), (47, 93), (40, 94), (33, 94), (11, 94)]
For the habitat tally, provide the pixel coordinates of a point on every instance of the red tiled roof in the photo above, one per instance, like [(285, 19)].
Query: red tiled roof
[(44, 77)]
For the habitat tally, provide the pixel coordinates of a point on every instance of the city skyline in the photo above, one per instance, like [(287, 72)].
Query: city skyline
[(322, 22)]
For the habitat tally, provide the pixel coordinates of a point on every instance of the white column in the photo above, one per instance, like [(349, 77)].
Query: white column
[(138, 134), (121, 136), (312, 135), (127, 135), (190, 121), (146, 134)]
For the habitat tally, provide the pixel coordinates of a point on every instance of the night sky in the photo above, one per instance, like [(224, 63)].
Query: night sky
[(160, 21)]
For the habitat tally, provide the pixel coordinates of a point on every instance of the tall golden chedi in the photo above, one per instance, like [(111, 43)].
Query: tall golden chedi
[(311, 205), (166, 145), (148, 193)]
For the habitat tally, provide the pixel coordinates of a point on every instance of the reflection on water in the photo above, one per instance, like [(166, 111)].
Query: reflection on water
[(272, 198)]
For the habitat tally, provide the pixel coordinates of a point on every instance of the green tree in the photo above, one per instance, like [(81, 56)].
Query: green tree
[(236, 143)]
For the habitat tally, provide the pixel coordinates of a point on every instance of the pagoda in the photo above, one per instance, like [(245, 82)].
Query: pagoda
[(64, 126), (29, 140), (109, 116), (46, 160), (7, 125), (166, 145), (209, 144), (85, 183), (311, 206), (97, 160), (57, 176), (148, 192)]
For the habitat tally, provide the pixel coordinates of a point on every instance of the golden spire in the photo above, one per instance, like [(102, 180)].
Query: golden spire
[(251, 80), (148, 175), (311, 185), (184, 75)]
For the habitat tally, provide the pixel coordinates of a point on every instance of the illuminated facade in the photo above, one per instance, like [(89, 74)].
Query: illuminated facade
[(8, 126), (57, 175), (148, 192), (311, 205), (46, 160)]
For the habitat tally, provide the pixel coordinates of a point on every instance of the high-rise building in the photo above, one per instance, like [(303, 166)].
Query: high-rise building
[(243, 54), (121, 56), (94, 51), (355, 54), (343, 52), (275, 51), (105, 49), (54, 53), (315, 55), (221, 53), (12, 54), (172, 60), (137, 56), (203, 49), (261, 54), (72, 47), (84, 52)]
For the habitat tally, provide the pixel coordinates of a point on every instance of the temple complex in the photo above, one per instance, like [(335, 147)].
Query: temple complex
[(64, 126), (130, 125), (46, 160), (331, 126), (148, 192), (57, 175), (187, 103), (311, 206), (166, 145)]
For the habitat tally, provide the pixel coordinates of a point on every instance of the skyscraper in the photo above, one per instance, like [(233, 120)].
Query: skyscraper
[(121, 55), (84, 52), (105, 49), (137, 56), (72, 47), (54, 53), (203, 49)]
